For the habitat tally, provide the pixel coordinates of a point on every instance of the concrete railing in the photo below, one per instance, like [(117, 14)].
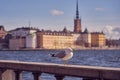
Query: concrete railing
[(59, 70)]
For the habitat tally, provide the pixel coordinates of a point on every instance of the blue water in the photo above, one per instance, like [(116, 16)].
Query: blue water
[(106, 58)]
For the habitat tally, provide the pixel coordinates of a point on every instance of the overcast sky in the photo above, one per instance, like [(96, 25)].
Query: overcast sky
[(96, 15)]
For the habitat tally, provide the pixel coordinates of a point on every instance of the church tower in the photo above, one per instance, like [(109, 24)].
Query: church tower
[(77, 21)]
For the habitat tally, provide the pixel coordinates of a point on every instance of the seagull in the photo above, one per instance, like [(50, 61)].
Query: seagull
[(64, 55)]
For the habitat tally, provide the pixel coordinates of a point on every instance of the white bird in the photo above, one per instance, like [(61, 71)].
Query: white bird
[(64, 55)]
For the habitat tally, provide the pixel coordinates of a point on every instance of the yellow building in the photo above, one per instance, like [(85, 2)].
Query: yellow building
[(98, 39), (54, 40)]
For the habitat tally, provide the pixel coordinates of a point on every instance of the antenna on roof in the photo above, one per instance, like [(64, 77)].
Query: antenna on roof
[(29, 24)]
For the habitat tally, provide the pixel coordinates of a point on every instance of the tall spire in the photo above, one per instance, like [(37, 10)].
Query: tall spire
[(77, 11), (77, 21)]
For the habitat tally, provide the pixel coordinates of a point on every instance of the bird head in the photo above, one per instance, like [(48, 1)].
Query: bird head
[(68, 50)]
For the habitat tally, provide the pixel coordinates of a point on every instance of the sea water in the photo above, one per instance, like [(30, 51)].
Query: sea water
[(106, 58)]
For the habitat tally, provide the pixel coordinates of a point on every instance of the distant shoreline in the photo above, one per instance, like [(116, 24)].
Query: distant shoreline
[(38, 49)]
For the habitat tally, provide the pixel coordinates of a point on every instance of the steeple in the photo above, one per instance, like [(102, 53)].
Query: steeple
[(77, 21), (77, 11)]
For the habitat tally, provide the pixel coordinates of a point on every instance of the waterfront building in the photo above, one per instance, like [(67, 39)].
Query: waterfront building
[(98, 39), (86, 38), (31, 41), (17, 43), (22, 32), (25, 37), (3, 32), (113, 42), (61, 40), (54, 40), (77, 39)]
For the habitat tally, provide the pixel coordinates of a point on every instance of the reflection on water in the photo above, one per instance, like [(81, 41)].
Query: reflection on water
[(107, 58)]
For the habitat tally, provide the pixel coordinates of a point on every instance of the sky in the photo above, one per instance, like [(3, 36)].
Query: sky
[(96, 15)]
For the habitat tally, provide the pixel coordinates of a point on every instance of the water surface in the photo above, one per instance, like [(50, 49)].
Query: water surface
[(106, 58)]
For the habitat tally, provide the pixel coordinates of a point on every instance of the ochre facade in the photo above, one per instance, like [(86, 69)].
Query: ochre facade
[(98, 40), (53, 40)]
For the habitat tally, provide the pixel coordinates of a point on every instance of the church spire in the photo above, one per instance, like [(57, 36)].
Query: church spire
[(77, 11), (77, 21)]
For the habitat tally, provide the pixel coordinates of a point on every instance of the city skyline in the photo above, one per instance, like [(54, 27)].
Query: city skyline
[(100, 15)]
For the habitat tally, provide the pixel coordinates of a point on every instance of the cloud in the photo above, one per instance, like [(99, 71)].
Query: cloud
[(112, 32), (57, 12), (116, 29), (99, 9)]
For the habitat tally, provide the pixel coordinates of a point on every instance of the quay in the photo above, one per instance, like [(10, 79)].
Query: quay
[(12, 70)]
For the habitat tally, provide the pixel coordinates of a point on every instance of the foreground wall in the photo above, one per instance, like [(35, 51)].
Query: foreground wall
[(58, 70)]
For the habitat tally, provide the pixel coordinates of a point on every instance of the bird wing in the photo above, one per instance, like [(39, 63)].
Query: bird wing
[(61, 54)]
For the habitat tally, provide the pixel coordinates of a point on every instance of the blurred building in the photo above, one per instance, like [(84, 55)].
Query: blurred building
[(54, 40), (3, 32), (86, 38), (17, 43), (31, 40), (113, 42), (22, 32), (24, 37), (98, 39)]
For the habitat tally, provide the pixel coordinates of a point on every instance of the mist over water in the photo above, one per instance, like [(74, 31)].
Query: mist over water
[(106, 58)]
